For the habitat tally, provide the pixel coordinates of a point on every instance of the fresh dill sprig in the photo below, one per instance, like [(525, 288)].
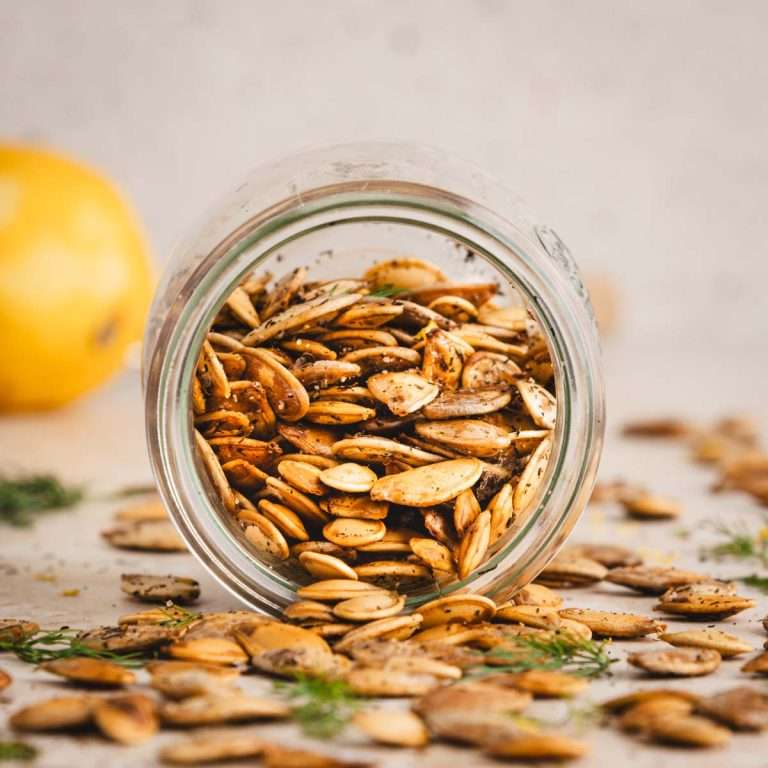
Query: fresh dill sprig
[(738, 542), (178, 616), (755, 581), (21, 498), (63, 643), (321, 707), (562, 651), (17, 750), (387, 291)]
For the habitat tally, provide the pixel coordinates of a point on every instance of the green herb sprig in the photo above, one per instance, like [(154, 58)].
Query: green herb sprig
[(755, 581), (23, 497), (178, 616), (322, 707), (738, 542), (387, 291), (17, 750), (562, 651), (63, 643)]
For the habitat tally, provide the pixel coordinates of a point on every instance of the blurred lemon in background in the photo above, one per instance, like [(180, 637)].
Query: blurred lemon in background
[(75, 279)]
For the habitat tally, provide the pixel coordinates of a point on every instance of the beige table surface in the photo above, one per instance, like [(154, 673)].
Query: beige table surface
[(100, 442)]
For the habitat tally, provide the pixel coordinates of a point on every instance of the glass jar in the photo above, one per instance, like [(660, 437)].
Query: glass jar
[(337, 210)]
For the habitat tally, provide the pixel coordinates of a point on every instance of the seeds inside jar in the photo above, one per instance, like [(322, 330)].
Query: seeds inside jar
[(397, 420)]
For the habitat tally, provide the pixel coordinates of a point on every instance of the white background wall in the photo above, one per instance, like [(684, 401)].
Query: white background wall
[(638, 129)]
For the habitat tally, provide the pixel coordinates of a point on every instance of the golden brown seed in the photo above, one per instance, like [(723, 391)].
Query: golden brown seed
[(212, 650), (212, 749), (652, 580), (681, 662), (369, 607), (96, 672), (192, 681), (532, 476), (127, 719), (541, 405), (222, 708), (725, 644), (614, 624), (148, 535), (409, 274), (757, 665), (309, 347), (5, 680), (462, 608), (333, 590), (688, 730), (392, 628), (392, 568), (296, 500), (466, 508), (381, 450), (542, 617), (474, 545), (59, 713), (309, 611), (403, 392), (537, 594), (609, 555), (352, 532), (284, 518), (323, 566), (397, 728), (359, 505), (502, 512), (472, 436), (705, 606), (625, 702), (742, 708), (349, 477), (160, 589), (17, 629), (334, 412), (651, 507), (153, 509), (303, 476), (266, 537), (571, 572), (543, 683), (538, 746), (433, 553)]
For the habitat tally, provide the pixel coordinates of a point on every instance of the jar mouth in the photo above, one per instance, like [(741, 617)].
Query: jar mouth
[(508, 252)]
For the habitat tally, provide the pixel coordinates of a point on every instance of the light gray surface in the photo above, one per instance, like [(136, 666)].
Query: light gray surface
[(636, 129)]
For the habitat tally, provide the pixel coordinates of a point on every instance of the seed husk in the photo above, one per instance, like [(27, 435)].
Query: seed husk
[(17, 629), (296, 500), (538, 746), (537, 594), (397, 728), (532, 475), (651, 580), (309, 347), (502, 512), (284, 518), (147, 535), (381, 450), (128, 638), (191, 681), (88, 671), (681, 662), (542, 617), (428, 485), (663, 427), (541, 405), (308, 611), (741, 708), (381, 682), (266, 537), (303, 476), (403, 392), (465, 509), (360, 505), (639, 717), (462, 608), (566, 572), (127, 719), (281, 757), (433, 553), (488, 369), (757, 665), (688, 730), (323, 566), (349, 477), (391, 628), (5, 680), (333, 412), (608, 555), (705, 606), (352, 532), (223, 708), (325, 374), (543, 683), (56, 714), (369, 607), (334, 590), (212, 748), (474, 545), (651, 507), (471, 436), (614, 624), (627, 701), (160, 589), (398, 569), (213, 650), (151, 509), (725, 644)]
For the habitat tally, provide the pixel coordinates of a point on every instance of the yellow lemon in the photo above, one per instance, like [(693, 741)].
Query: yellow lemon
[(75, 279)]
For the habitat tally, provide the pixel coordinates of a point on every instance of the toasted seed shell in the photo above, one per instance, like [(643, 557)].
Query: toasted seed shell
[(309, 347), (323, 566), (627, 701), (284, 518), (538, 746), (333, 590), (471, 436), (688, 730), (741, 708), (149, 535), (310, 440), (651, 507), (5, 680), (428, 485), (565, 571), (393, 628), (286, 394), (281, 757), (349, 477), (257, 452), (381, 450), (12, 630), (369, 607), (462, 608), (353, 532), (466, 508), (303, 476), (151, 509), (532, 475), (640, 717), (212, 749), (474, 545), (88, 671), (396, 569), (398, 728), (409, 274), (543, 683), (309, 611), (541, 405), (487, 369), (502, 512), (324, 374), (373, 359), (266, 537), (224, 708), (56, 714), (338, 412), (296, 500), (725, 644), (358, 506), (457, 308), (682, 662), (160, 589), (214, 650), (614, 624), (706, 606), (651, 580), (403, 392), (433, 553), (130, 638), (380, 682), (127, 719), (757, 665), (543, 617), (182, 683)]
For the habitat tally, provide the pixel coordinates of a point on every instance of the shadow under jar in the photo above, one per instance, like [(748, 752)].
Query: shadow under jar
[(440, 340)]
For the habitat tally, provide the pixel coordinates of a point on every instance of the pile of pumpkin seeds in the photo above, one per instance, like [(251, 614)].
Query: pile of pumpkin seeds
[(388, 429)]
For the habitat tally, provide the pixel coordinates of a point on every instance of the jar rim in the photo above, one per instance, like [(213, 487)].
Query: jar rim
[(541, 276)]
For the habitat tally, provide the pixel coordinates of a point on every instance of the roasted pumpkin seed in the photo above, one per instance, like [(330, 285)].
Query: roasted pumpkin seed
[(87, 671), (681, 662)]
